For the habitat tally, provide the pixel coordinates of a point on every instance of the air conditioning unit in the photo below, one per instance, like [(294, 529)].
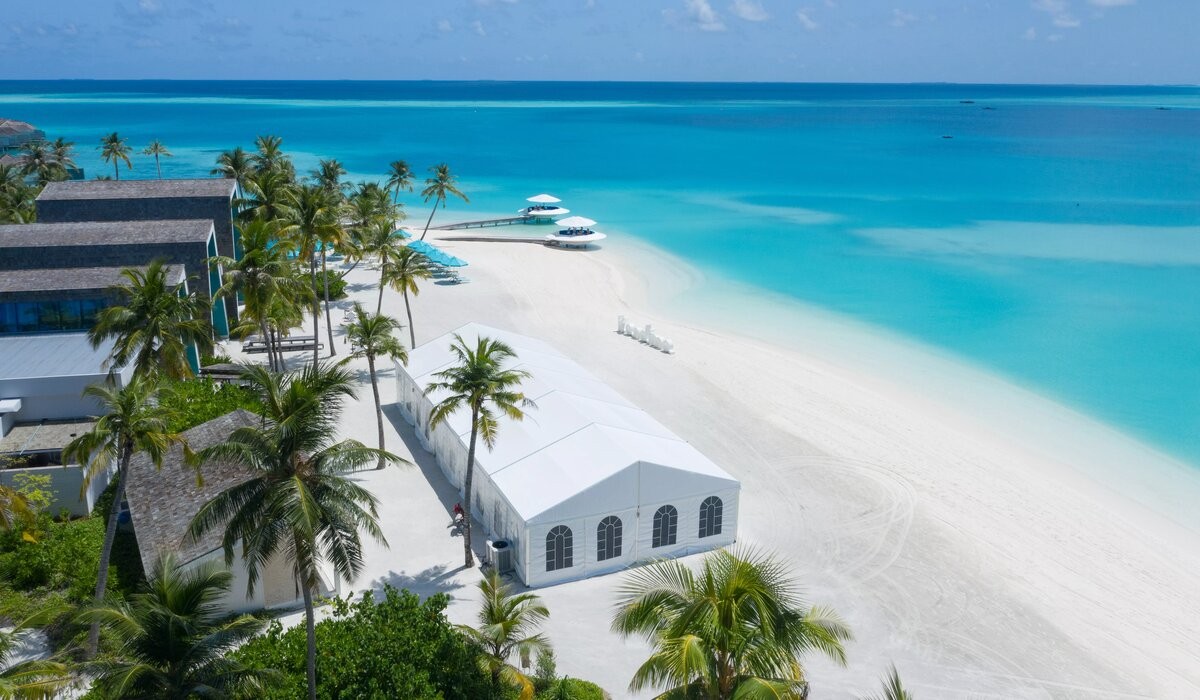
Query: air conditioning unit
[(500, 553)]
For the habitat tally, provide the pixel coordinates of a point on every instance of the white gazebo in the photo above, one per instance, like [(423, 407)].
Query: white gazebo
[(576, 232), (543, 208), (587, 484)]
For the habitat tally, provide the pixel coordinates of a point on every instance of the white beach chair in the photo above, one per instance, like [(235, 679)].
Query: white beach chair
[(620, 324), (667, 346)]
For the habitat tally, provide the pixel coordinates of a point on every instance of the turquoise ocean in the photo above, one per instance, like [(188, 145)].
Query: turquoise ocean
[(1048, 234)]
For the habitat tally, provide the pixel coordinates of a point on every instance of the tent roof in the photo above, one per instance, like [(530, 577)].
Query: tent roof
[(543, 199), (581, 432)]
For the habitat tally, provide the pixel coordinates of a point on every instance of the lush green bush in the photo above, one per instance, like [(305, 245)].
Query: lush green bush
[(572, 689), (191, 402), (397, 647), (337, 286), (206, 360)]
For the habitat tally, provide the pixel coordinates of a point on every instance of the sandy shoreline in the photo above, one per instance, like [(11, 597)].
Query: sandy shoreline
[(984, 559)]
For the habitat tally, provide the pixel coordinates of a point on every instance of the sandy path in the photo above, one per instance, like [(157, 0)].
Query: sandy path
[(979, 560)]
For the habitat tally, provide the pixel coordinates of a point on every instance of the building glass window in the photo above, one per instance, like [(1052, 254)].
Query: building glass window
[(666, 520), (608, 538), (49, 316), (559, 548), (710, 516)]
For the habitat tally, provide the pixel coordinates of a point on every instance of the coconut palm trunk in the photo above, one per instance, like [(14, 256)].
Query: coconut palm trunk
[(310, 629), (157, 167), (468, 555), (412, 333), (430, 219), (378, 407), (312, 266), (383, 268), (117, 168), (110, 535), (328, 319), (266, 336)]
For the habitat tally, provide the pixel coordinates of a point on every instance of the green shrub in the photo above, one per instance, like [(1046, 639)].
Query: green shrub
[(546, 672), (337, 286), (572, 689), (206, 360), (398, 647), (190, 402)]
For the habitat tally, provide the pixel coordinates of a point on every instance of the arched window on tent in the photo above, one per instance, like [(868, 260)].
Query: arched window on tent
[(608, 538), (711, 511), (559, 548), (666, 519)]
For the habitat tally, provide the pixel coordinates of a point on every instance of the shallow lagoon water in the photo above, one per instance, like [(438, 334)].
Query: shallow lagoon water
[(1054, 239)]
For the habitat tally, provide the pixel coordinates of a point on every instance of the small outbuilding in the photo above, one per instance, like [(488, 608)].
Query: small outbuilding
[(162, 503), (587, 483)]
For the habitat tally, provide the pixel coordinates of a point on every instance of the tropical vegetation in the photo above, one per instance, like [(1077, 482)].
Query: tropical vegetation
[(481, 384), (507, 625), (155, 325), (174, 639), (441, 185), (373, 336), (33, 679), (114, 149), (300, 502), (158, 150), (130, 423), (734, 628)]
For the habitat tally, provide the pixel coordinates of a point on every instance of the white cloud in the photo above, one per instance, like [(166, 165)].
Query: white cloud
[(1030, 34), (590, 4), (1059, 11), (149, 7), (806, 20), (749, 10), (444, 26), (477, 26), (697, 14), (1112, 3), (1055, 37), (900, 18)]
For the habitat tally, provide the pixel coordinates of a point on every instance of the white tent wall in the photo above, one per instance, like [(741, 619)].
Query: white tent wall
[(585, 454)]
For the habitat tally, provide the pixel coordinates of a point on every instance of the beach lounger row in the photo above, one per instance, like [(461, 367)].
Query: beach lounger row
[(645, 335), (284, 345)]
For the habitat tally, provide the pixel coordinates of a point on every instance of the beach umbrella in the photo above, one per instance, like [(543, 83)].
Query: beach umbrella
[(576, 222), (402, 233), (543, 199), (452, 261)]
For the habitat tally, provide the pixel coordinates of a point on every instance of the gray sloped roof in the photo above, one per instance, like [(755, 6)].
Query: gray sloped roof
[(163, 502), (42, 235), (137, 189), (12, 127), (71, 278)]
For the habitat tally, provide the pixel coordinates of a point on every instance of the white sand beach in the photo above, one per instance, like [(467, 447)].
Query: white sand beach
[(989, 543)]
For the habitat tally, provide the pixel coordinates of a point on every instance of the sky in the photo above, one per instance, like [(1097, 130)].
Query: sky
[(983, 41)]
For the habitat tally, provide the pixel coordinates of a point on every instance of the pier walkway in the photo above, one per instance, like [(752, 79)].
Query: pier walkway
[(485, 223)]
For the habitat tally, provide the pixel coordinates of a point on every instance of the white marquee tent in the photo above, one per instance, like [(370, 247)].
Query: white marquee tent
[(588, 483)]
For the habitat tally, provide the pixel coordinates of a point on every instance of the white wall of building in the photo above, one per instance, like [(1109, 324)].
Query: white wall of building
[(66, 487)]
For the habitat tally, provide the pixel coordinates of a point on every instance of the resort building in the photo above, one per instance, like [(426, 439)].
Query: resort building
[(147, 200), (15, 134), (162, 503), (58, 252), (586, 484), (42, 408)]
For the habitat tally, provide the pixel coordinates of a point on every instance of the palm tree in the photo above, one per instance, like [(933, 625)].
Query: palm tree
[(300, 502), (39, 679), (314, 219), (507, 623), (261, 276), (155, 325), (270, 156), (401, 268), (64, 153), (400, 177), (735, 628), (437, 188), (373, 336), (16, 197), (893, 689), (156, 149), (130, 422), (266, 194), (480, 383), (234, 165), (175, 638), (39, 161), (329, 174), (113, 149)]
